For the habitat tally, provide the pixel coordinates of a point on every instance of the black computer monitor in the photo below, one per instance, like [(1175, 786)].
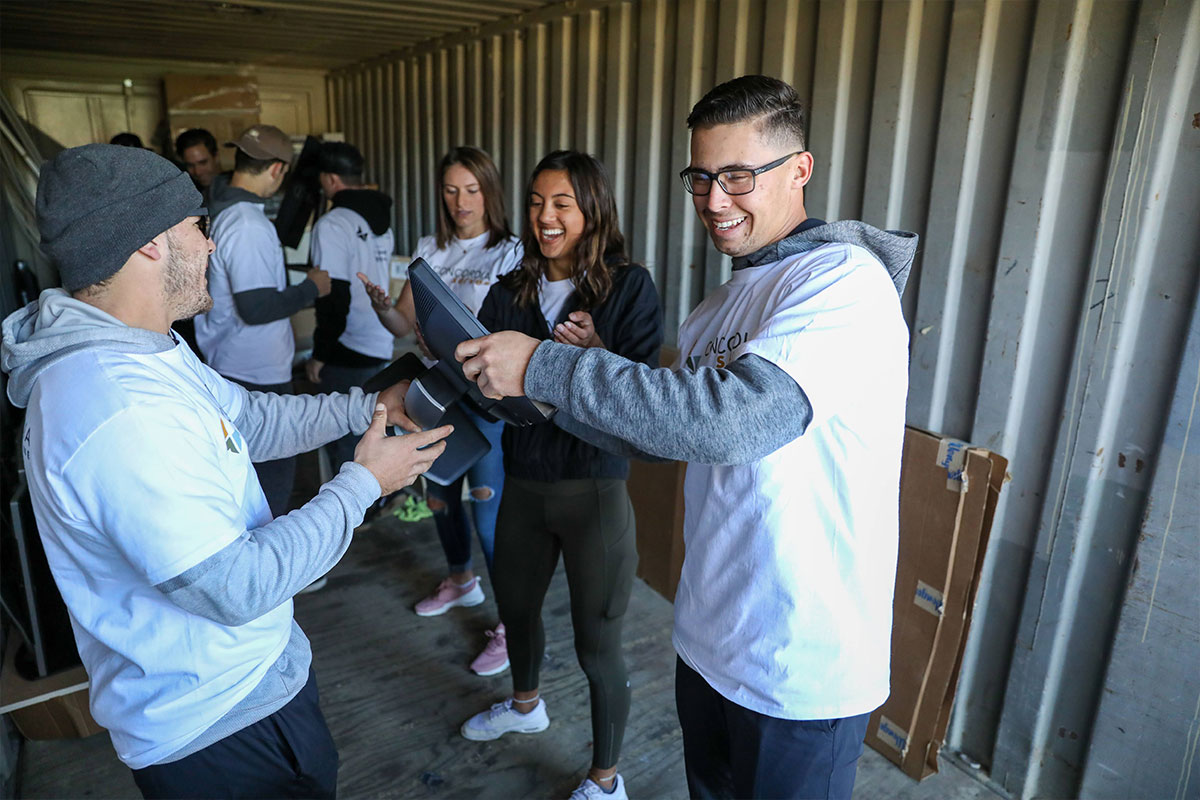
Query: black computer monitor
[(438, 393), (445, 323)]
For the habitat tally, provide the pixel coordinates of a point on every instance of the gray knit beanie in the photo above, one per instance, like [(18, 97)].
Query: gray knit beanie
[(97, 204)]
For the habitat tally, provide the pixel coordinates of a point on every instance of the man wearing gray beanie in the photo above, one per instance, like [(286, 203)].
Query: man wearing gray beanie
[(178, 581)]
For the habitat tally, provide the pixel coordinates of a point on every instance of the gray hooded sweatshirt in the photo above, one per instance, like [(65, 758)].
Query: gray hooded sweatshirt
[(734, 415), (262, 568)]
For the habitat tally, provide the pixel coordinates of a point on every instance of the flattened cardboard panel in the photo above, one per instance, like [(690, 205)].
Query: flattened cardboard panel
[(211, 93), (656, 492), (938, 690), (996, 480), (944, 499)]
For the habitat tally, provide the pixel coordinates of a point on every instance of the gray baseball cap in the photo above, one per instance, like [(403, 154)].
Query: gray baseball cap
[(264, 142)]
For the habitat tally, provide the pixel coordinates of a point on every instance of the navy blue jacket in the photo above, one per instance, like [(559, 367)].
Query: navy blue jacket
[(629, 323)]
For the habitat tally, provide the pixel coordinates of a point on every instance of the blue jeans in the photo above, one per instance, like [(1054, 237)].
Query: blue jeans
[(451, 518)]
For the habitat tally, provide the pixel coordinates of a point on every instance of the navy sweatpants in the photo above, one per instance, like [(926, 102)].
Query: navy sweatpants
[(288, 754), (731, 751)]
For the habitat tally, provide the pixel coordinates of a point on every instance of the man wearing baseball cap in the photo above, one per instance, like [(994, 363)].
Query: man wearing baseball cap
[(247, 336), (178, 582)]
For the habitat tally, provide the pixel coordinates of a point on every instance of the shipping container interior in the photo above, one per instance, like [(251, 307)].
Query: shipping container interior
[(1047, 152)]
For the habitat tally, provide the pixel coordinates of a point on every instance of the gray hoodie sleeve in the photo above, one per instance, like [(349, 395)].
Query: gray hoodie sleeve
[(267, 566), (283, 425), (597, 438), (709, 416)]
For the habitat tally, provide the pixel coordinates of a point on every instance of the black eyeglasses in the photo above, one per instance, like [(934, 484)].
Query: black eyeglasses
[(202, 223), (732, 181)]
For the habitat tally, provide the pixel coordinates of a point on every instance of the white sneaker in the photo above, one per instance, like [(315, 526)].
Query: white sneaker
[(590, 790), (502, 718)]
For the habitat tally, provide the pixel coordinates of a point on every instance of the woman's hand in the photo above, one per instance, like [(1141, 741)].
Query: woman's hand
[(397, 317), (579, 330), (381, 303)]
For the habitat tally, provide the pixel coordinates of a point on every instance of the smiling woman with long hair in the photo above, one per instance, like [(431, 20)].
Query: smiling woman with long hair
[(562, 495)]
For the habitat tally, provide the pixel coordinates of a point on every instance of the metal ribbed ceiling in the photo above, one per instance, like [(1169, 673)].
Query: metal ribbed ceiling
[(286, 33)]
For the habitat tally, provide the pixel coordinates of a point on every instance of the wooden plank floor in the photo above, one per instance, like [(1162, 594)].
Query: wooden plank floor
[(395, 688)]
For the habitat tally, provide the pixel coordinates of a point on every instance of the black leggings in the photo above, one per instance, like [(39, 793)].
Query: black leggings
[(591, 523)]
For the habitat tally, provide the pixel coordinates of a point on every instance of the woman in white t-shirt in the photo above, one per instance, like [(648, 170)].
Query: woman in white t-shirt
[(472, 248)]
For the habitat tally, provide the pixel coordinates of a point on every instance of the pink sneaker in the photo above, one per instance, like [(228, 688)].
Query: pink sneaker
[(494, 658), (448, 595)]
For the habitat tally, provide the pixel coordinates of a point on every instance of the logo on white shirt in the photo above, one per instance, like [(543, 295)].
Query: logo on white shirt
[(233, 441), (721, 347)]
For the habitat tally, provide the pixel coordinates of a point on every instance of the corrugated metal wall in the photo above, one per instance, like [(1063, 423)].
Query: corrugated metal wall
[(1049, 155)]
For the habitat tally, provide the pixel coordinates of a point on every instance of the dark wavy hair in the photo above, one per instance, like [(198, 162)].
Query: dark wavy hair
[(479, 164), (194, 136), (772, 104), (600, 251)]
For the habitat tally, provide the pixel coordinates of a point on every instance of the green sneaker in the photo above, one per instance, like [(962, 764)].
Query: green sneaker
[(413, 510)]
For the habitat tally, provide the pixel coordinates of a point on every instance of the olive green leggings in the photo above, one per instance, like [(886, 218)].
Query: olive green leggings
[(590, 522)]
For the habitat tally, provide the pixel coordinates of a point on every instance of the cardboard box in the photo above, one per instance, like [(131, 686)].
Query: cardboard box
[(224, 105), (656, 491), (55, 707), (948, 496)]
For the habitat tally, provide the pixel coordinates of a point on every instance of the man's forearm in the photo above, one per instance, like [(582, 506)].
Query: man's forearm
[(605, 441), (709, 416), (279, 426), (260, 306)]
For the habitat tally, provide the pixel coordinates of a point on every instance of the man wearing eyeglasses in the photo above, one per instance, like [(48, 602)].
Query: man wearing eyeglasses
[(788, 405)]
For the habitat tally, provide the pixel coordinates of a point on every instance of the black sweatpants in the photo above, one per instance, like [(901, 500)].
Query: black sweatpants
[(288, 754), (591, 523)]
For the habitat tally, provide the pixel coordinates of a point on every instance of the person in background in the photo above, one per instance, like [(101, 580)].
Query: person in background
[(787, 402), (196, 149), (247, 336), (355, 236), (178, 580), (564, 496), (470, 249)]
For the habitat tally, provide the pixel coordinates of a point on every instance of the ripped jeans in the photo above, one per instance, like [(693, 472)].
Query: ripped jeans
[(486, 479)]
